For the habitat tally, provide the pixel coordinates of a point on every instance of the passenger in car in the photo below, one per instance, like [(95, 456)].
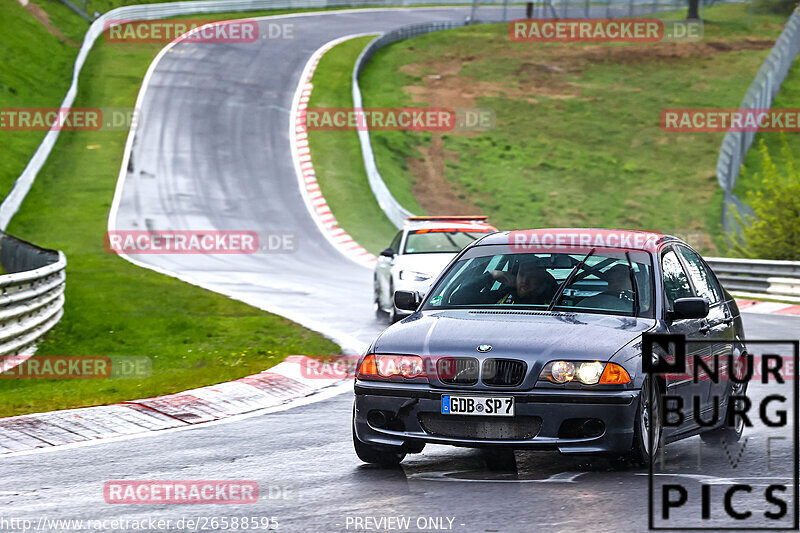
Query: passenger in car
[(618, 295)]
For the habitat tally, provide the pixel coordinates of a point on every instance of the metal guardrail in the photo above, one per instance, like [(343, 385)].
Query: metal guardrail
[(776, 279), (31, 293), (760, 95), (395, 212)]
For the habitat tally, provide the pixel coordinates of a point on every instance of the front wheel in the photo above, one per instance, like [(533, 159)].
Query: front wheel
[(646, 426), (377, 301)]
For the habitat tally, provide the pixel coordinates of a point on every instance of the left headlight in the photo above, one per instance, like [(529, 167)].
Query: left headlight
[(586, 372), (407, 275)]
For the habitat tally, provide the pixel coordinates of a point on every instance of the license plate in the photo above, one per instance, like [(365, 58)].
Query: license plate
[(478, 405)]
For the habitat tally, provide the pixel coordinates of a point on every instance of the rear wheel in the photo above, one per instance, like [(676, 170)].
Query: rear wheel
[(377, 455)]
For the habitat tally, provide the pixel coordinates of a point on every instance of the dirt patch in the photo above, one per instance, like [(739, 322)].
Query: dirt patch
[(42, 16), (432, 190), (543, 74)]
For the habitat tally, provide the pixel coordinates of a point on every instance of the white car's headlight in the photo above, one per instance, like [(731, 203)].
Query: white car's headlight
[(407, 275)]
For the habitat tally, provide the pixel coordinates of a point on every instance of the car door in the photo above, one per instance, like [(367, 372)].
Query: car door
[(677, 285), (383, 273), (718, 325)]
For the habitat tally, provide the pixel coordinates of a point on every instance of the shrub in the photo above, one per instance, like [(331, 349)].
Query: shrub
[(773, 231)]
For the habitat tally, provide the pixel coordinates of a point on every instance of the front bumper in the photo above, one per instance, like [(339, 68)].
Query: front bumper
[(615, 409)]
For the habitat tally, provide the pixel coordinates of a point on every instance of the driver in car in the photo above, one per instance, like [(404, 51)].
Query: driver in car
[(532, 284)]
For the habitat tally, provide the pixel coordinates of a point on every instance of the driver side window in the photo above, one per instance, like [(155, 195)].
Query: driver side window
[(676, 284)]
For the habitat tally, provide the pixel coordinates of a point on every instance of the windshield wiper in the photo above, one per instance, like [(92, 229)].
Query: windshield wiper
[(568, 280), (633, 284)]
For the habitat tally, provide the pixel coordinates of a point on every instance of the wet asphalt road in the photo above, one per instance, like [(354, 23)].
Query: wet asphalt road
[(303, 457)]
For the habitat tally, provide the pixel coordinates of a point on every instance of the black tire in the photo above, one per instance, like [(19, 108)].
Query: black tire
[(377, 455), (639, 454), (394, 316), (727, 433), (379, 314)]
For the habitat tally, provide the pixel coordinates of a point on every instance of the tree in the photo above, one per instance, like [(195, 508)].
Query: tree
[(773, 232)]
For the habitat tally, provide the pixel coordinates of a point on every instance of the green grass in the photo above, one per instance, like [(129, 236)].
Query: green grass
[(577, 140), (36, 67), (337, 154), (194, 337)]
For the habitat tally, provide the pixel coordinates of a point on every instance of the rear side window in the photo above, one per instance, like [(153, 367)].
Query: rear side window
[(704, 282), (676, 284)]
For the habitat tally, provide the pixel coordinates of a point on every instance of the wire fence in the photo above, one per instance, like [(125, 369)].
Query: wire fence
[(760, 95)]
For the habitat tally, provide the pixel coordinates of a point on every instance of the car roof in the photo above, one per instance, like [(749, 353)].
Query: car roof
[(465, 223), (632, 237)]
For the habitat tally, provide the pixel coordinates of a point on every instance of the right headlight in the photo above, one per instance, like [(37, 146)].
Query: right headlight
[(586, 372)]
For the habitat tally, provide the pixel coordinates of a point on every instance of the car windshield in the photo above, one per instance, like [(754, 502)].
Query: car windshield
[(610, 282), (432, 241)]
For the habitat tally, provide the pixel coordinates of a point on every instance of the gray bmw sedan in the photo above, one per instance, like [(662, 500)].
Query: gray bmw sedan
[(533, 339)]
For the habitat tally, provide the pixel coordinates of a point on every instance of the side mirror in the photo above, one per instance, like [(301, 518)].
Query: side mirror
[(388, 252), (407, 300), (686, 308)]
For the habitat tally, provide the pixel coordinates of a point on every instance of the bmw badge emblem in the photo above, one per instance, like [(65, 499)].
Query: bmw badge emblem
[(483, 348)]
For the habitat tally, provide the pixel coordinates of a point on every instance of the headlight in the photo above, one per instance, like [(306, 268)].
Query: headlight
[(586, 372), (388, 366), (406, 275)]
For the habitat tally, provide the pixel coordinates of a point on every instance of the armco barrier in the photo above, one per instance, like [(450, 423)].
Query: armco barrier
[(760, 95), (31, 293), (394, 211), (758, 277)]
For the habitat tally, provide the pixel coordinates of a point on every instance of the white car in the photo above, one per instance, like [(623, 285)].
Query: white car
[(418, 253)]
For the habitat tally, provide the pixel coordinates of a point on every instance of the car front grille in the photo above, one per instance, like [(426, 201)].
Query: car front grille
[(457, 370), (480, 428), (503, 372)]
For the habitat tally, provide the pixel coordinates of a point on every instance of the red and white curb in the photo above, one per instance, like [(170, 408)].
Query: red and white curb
[(316, 203), (279, 385), (769, 308)]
